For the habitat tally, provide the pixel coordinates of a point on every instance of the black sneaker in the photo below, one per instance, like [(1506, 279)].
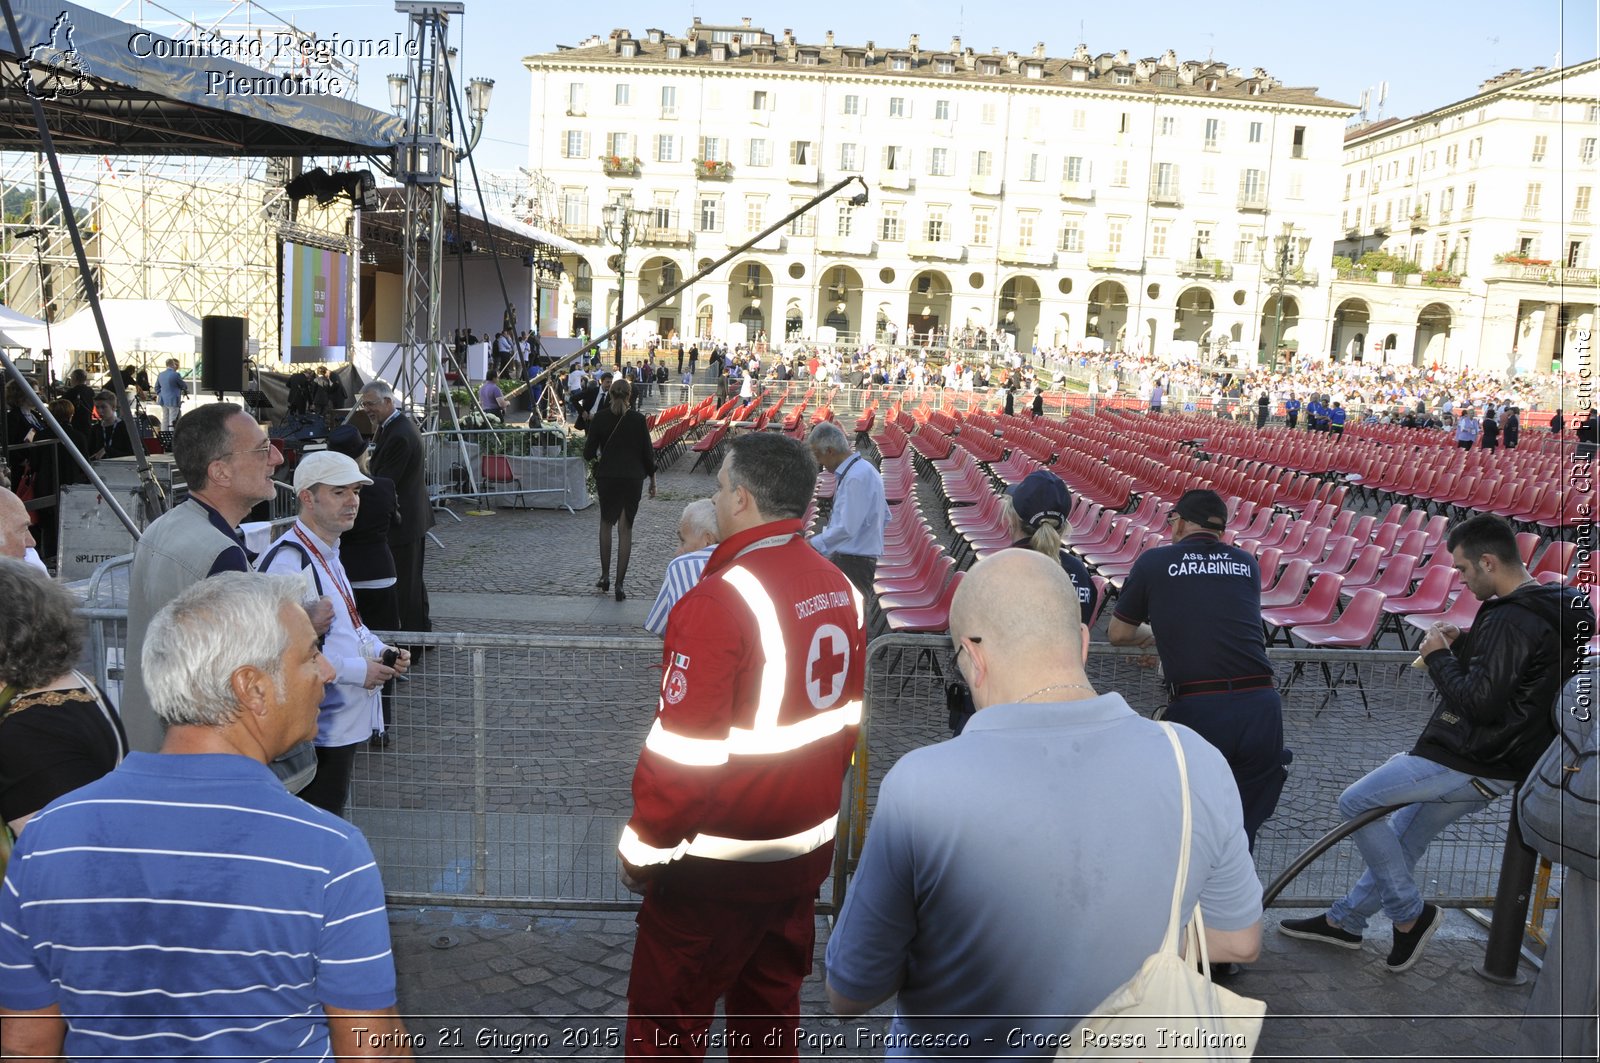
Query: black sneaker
[(1317, 928), (1408, 943)]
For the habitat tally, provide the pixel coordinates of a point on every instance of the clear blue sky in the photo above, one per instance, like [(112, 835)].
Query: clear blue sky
[(1430, 53)]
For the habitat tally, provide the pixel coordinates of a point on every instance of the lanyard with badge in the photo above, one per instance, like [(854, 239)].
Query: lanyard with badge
[(368, 643)]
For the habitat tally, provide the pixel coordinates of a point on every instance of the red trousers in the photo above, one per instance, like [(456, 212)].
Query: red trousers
[(691, 952)]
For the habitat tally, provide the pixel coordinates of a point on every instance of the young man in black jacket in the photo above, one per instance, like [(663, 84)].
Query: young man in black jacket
[(1496, 684)]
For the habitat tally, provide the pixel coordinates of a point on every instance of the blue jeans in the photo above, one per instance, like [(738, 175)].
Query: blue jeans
[(1392, 847)]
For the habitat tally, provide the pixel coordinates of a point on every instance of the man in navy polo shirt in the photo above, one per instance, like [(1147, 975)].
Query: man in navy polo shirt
[(1198, 602), (1291, 411)]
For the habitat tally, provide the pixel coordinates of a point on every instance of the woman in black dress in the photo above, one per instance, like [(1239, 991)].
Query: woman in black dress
[(619, 445), (57, 731)]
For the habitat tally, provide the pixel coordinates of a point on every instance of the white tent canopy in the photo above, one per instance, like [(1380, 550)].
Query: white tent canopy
[(20, 330), (152, 325)]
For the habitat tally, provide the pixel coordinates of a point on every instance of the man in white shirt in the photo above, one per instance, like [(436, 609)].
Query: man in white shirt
[(697, 537), (853, 539), (328, 486)]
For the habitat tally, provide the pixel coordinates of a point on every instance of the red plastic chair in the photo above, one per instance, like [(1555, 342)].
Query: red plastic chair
[(1557, 557), (1461, 612), (935, 618), (1286, 591), (1356, 629), (1315, 608), (1431, 596)]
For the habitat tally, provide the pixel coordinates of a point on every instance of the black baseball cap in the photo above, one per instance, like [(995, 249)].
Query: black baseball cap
[(1203, 508), (1041, 496)]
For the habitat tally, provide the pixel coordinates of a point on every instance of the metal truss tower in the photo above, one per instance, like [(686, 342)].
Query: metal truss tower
[(425, 163)]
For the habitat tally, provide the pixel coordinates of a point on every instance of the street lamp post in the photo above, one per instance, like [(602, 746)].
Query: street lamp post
[(1284, 243), (622, 224)]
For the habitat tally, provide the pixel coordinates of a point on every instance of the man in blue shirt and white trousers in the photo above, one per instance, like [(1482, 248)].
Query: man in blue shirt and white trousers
[(853, 539)]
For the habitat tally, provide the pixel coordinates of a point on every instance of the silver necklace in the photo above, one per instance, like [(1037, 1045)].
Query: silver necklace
[(1057, 686)]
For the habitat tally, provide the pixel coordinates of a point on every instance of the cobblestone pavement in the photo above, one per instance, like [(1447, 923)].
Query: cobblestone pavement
[(512, 984), (556, 742)]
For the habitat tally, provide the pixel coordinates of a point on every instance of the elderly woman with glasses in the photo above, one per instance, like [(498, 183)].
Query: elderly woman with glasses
[(56, 730)]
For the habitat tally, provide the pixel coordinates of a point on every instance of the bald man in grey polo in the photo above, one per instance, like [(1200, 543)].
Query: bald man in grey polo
[(1024, 870)]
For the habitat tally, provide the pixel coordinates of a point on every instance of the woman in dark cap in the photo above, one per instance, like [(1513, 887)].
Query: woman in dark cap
[(364, 551), (1036, 510)]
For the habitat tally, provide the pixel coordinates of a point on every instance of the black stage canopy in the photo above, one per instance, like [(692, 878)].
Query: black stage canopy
[(110, 87)]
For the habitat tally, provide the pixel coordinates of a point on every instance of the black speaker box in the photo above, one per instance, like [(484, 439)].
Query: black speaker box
[(222, 352)]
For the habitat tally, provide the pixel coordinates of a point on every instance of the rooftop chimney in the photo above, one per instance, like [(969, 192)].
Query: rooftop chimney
[(1038, 50), (745, 22), (827, 39), (955, 45)]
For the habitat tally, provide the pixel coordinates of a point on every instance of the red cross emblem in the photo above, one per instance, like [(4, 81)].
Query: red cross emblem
[(826, 665)]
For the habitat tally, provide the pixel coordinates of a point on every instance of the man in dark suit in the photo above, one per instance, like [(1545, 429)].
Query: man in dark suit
[(397, 454)]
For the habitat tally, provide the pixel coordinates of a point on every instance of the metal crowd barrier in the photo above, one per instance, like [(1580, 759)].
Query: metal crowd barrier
[(507, 780), (1336, 739), (511, 466)]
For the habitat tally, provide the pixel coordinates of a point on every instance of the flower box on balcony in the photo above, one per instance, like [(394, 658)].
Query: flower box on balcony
[(619, 166), (713, 170)]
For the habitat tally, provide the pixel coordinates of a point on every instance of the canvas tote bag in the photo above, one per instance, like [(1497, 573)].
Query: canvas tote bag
[(1170, 1008)]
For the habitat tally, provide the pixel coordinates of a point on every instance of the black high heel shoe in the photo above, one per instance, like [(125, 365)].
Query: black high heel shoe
[(603, 583), (620, 596)]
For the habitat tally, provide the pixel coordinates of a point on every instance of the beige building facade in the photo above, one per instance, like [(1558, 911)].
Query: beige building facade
[(1490, 200), (1149, 204)]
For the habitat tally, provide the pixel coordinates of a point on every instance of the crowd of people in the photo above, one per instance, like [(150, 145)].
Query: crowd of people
[(216, 790)]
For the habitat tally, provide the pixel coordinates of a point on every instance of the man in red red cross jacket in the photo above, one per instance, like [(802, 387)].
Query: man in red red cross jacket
[(736, 793)]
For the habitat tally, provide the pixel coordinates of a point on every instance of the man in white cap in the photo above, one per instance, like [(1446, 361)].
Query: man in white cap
[(328, 486)]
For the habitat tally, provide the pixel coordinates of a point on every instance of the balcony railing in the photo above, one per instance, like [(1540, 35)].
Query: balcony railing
[(1294, 275), (1580, 217), (1214, 268), (1552, 274), (894, 179), (1026, 255), (713, 170), (1252, 201), (857, 244), (1077, 190), (1113, 262), (986, 184), (619, 166), (661, 236), (942, 250), (803, 173), (583, 234), (1165, 197), (773, 242), (1530, 213)]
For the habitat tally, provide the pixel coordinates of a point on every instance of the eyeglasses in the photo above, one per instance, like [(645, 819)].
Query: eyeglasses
[(961, 644), (262, 451), (1173, 518)]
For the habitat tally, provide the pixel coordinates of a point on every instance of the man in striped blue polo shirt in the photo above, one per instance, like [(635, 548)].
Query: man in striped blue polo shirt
[(697, 537), (186, 903)]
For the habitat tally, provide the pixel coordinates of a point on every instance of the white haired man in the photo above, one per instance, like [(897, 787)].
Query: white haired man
[(697, 538), (853, 539), (328, 486), (186, 899)]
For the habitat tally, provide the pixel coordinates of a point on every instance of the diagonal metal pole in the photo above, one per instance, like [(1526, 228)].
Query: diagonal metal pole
[(616, 330), (155, 503)]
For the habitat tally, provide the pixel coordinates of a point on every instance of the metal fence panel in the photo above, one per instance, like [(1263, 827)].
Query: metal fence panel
[(1335, 738), (508, 777)]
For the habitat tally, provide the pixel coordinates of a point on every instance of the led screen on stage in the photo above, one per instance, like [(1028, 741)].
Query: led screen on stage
[(316, 304)]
